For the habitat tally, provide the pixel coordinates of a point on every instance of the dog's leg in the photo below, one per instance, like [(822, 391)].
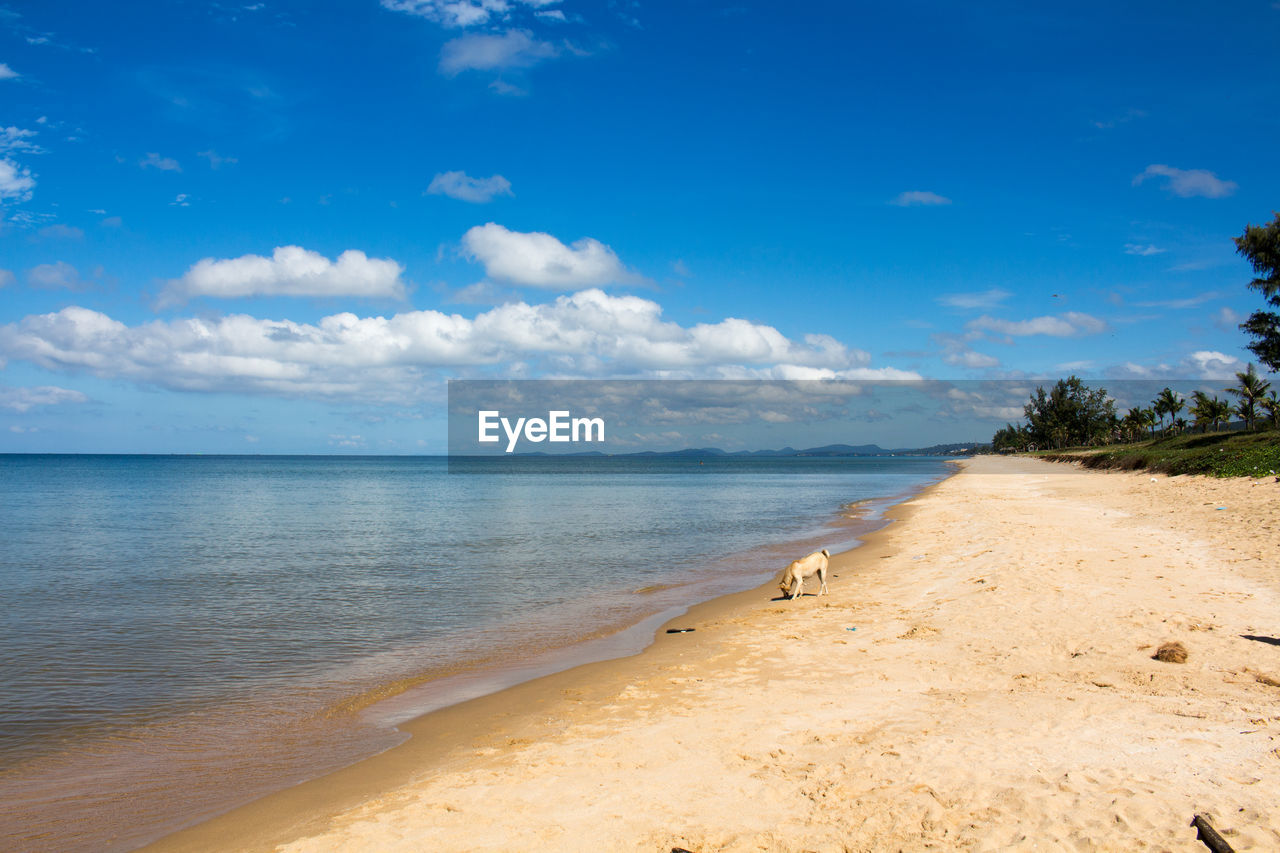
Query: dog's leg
[(822, 576), (799, 591)]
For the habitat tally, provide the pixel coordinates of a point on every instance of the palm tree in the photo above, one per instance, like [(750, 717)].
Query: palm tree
[(1201, 409), (1271, 405), (1249, 392), (1219, 413), (1133, 424), (1149, 420), (1167, 403)]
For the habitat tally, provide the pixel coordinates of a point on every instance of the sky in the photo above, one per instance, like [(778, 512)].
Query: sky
[(282, 227)]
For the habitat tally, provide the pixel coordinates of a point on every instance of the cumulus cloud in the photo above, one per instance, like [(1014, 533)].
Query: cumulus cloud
[(7, 73), (919, 198), (463, 187), (25, 399), (481, 52), (1201, 364), (1210, 364), (957, 352), (1188, 182), (388, 359), (982, 299), (463, 13), (15, 182), (155, 161), (56, 276), (1072, 324), (536, 259), (290, 271)]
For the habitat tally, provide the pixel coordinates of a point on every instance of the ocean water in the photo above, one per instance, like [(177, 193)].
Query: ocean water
[(181, 633)]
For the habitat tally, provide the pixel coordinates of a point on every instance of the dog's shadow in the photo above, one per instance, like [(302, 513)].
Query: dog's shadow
[(1270, 641)]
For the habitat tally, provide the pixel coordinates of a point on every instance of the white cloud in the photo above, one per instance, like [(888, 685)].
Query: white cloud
[(215, 159), (6, 278), (982, 299), (386, 358), (17, 139), (1188, 182), (1144, 251), (58, 231), (1209, 364), (290, 271), (540, 260), (15, 182), (155, 161), (463, 187), (1201, 364), (512, 49), (55, 276), (25, 399), (1224, 319), (1069, 325), (957, 352), (7, 73), (964, 357), (463, 13), (919, 198), (1187, 302), (502, 87)]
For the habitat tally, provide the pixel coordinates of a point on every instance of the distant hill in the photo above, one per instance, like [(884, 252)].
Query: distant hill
[(962, 449), (827, 450)]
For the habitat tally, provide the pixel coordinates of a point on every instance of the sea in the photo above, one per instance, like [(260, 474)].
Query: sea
[(181, 634)]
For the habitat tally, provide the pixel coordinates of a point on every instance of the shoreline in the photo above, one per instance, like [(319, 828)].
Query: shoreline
[(432, 738), (62, 805), (982, 675)]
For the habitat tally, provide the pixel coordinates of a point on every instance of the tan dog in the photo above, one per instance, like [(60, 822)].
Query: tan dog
[(807, 567)]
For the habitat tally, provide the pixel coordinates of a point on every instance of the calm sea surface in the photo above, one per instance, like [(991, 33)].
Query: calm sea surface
[(180, 633)]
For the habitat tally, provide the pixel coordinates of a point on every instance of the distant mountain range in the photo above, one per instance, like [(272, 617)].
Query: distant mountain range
[(826, 450)]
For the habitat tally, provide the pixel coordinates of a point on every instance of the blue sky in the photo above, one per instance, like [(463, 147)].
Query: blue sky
[(282, 226)]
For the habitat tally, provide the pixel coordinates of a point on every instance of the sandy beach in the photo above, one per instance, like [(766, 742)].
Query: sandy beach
[(980, 677)]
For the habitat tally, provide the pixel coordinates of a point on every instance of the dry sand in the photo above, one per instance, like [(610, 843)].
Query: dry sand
[(999, 693)]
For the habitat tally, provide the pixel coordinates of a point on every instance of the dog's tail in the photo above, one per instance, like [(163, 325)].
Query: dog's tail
[(825, 553)]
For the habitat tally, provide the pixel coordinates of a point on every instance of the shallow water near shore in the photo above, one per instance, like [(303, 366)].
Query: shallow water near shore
[(183, 633)]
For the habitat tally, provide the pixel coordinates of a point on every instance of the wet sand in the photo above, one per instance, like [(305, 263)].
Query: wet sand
[(996, 692)]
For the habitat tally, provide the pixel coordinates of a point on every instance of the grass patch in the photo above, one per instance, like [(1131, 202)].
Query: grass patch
[(1214, 454)]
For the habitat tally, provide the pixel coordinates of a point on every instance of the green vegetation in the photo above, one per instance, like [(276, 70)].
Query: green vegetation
[(1073, 416), (1260, 244), (1070, 414), (1220, 454)]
